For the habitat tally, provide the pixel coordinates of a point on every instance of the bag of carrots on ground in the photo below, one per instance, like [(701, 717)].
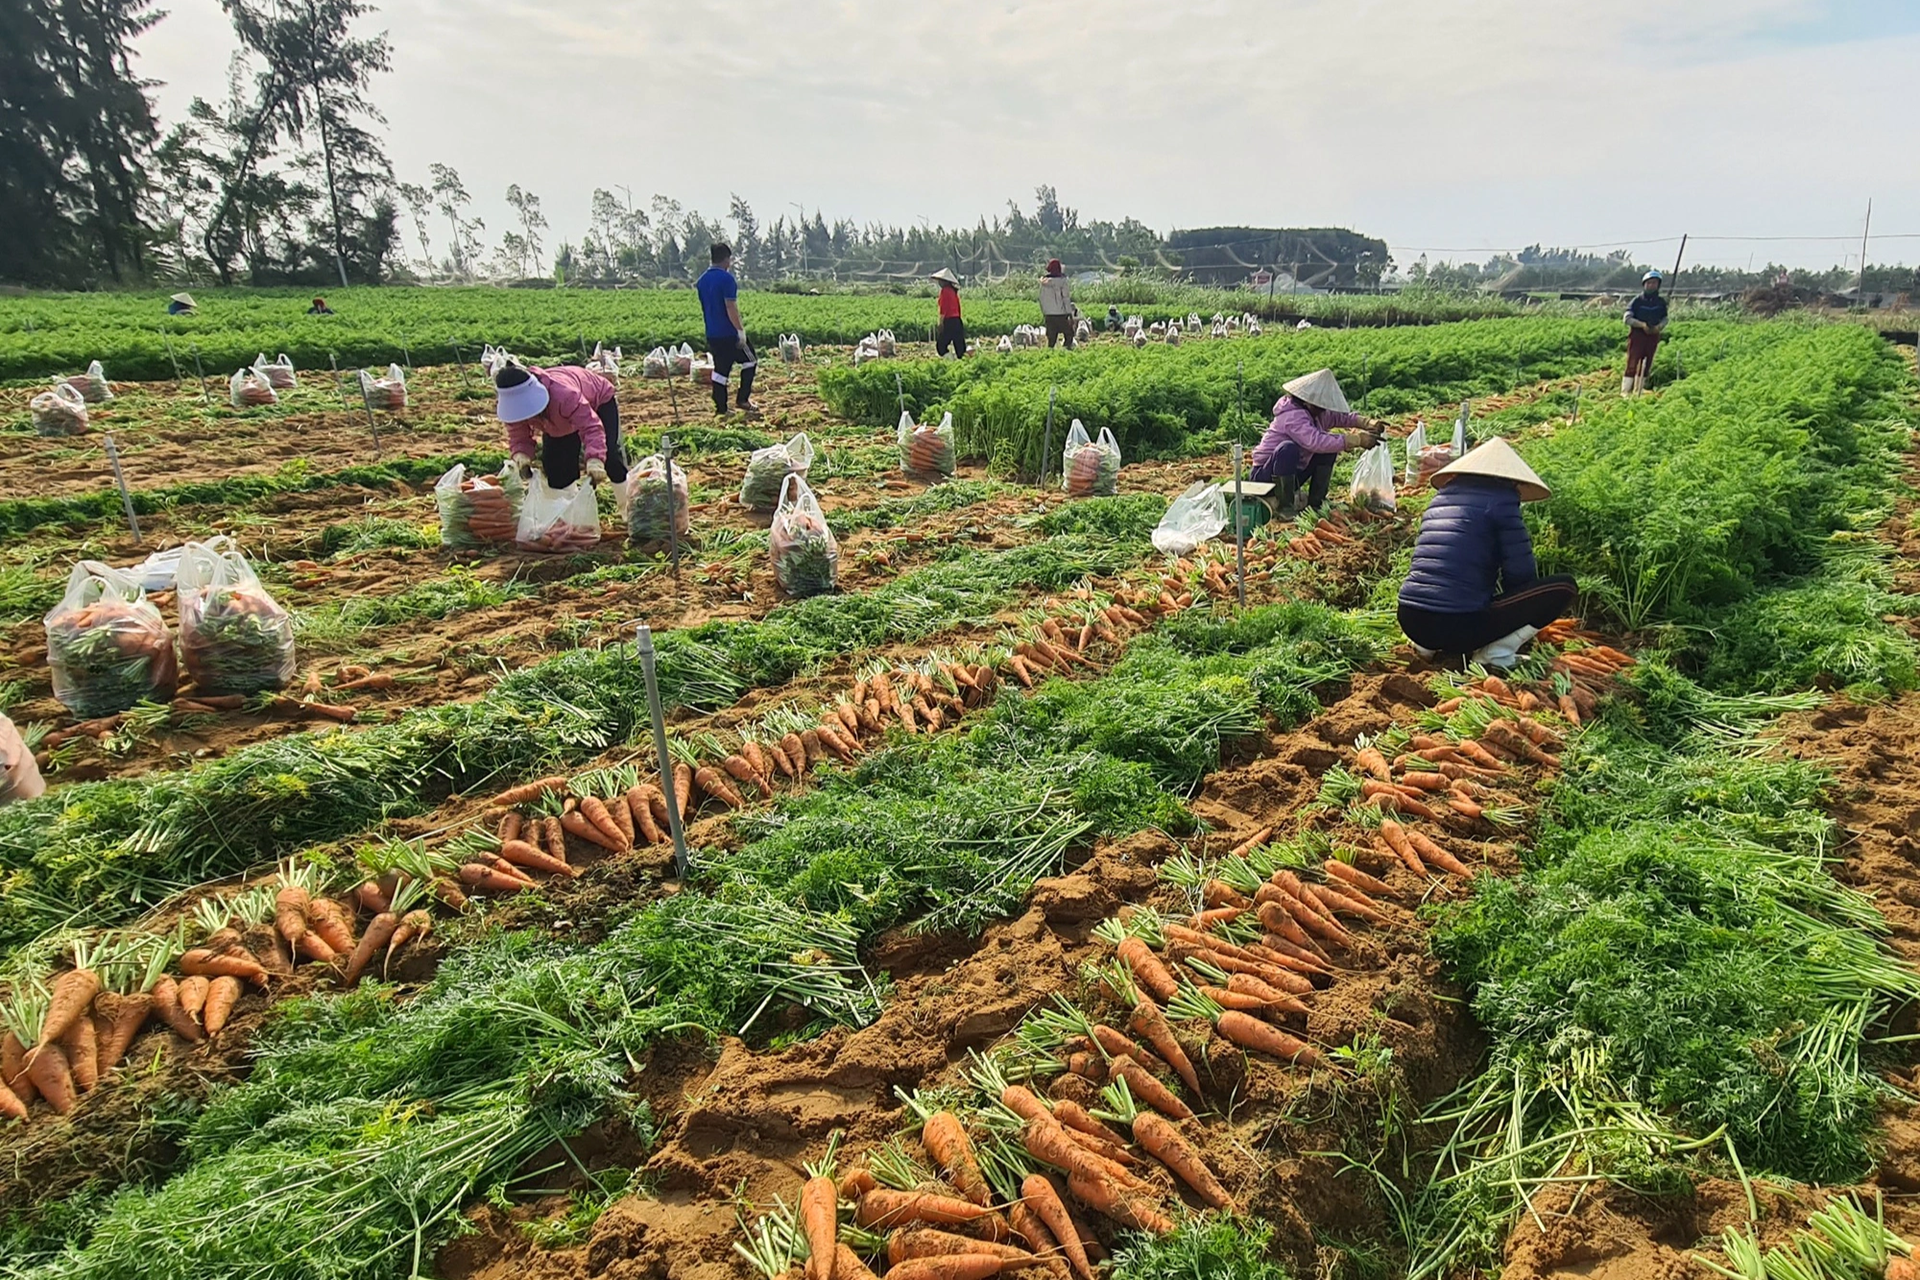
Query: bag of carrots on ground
[(92, 385), (248, 388), (59, 412), (768, 469), (924, 450), (476, 511), (19, 774), (385, 391), (107, 645), (559, 519), (806, 558), (234, 636), (654, 499), (1088, 467)]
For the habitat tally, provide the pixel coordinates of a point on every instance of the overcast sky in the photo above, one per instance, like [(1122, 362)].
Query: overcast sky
[(1441, 125)]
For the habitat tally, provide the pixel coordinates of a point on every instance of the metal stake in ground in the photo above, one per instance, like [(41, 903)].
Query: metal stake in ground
[(119, 478), (372, 425), (460, 363), (200, 375), (171, 359), (407, 356), (643, 643), (1239, 388), (1239, 530), (1046, 442), (1576, 404), (673, 521), (900, 389), (338, 385), (673, 397)]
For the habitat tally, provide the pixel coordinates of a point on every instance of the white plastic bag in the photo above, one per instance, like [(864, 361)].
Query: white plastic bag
[(1090, 467), (926, 451), (679, 361), (790, 348), (654, 498), (92, 385), (806, 558), (19, 774), (1416, 441), (388, 392), (493, 359), (1194, 517), (1005, 345), (701, 371), (234, 636), (249, 388), (107, 645), (768, 469), (605, 363), (156, 571), (59, 412), (558, 519), (654, 363), (278, 373), (884, 342), (1373, 480), (475, 511), (1460, 436)]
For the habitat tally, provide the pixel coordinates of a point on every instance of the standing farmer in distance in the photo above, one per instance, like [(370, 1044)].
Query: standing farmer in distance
[(1056, 304), (1646, 321), (953, 330), (575, 414), (726, 334)]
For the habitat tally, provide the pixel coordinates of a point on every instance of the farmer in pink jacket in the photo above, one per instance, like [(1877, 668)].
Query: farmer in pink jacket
[(572, 411), (1301, 443)]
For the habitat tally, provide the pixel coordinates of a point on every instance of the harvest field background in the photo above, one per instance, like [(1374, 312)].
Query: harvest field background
[(1662, 1007)]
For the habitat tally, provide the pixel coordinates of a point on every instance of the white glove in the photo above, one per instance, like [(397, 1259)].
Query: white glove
[(523, 465), (597, 470)]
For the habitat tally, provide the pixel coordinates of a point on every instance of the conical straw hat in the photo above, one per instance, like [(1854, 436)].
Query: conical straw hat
[(1320, 389), (945, 275), (1496, 459), (184, 299)]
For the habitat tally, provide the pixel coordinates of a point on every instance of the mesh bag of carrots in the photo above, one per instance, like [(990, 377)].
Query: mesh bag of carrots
[(806, 558), (234, 636), (1090, 468), (924, 450), (107, 645), (656, 502), (558, 519), (19, 774), (768, 469), (59, 412), (248, 388), (475, 511)]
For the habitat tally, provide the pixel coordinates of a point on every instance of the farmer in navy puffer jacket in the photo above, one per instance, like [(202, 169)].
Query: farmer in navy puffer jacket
[(1473, 588)]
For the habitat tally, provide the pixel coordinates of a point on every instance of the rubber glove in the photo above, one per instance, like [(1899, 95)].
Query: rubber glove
[(597, 470), (523, 465)]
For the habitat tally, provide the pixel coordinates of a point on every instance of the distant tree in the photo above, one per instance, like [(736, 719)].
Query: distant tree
[(526, 206), (419, 202), (746, 236), (512, 257), (76, 127), (451, 198)]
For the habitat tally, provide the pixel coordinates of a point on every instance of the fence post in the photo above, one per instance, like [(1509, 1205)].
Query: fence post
[(1046, 441), (1239, 530), (120, 479)]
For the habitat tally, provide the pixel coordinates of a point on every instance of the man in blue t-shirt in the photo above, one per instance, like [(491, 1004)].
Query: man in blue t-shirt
[(726, 335)]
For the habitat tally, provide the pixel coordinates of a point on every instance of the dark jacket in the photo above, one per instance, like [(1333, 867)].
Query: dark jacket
[(1472, 545), (1649, 309)]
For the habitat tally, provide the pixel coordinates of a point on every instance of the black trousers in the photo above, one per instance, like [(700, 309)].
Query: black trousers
[(561, 457), (728, 352), (1318, 473), (952, 333), (1534, 605), (1058, 327)]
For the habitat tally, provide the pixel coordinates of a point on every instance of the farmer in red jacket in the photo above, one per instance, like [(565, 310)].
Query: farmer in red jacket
[(953, 330), (575, 415)]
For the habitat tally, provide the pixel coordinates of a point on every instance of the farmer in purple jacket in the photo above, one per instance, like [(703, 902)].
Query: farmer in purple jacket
[(1473, 587), (1301, 444)]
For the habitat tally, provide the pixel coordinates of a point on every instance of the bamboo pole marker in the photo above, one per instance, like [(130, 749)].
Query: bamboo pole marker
[(120, 479), (643, 645)]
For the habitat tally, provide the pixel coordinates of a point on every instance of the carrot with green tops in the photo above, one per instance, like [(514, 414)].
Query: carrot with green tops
[(683, 790), (522, 854), (202, 963), (820, 1219), (414, 925), (528, 792), (1050, 1141), (13, 1068), (166, 1003), (82, 1046), (1039, 1197), (1153, 976), (1149, 1020), (715, 784), (331, 921), (639, 804), (379, 931), (485, 879), (1352, 875), (1262, 1037), (510, 826), (1104, 1196), (52, 1075), (596, 812), (124, 1015), (882, 1208), (1354, 903), (1148, 1087), (1395, 837), (847, 1265), (932, 1242), (1370, 761), (1115, 1044), (945, 1139), (290, 913), (10, 1104), (1437, 855), (576, 823), (1159, 1139)]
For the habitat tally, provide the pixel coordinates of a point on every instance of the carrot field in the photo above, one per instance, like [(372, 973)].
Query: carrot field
[(1048, 906)]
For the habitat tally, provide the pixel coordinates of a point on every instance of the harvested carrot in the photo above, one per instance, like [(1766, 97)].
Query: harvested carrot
[(52, 1076), (1217, 915), (596, 813), (13, 1068), (1051, 1142), (715, 784), (10, 1104), (1086, 1066), (332, 922), (1218, 893), (1090, 1133), (1276, 917), (1116, 1045), (529, 791), (1024, 1103), (932, 1242), (414, 925), (1465, 808), (576, 824), (290, 913), (222, 994), (1038, 1197), (1371, 761), (1149, 1020), (1252, 842), (484, 878), (946, 1141), (507, 869), (968, 1266), (1104, 1196), (819, 1218), (82, 1047), (1437, 855), (882, 1208), (1262, 1037), (1425, 781), (856, 1184), (379, 931), (522, 854), (1354, 876), (741, 770), (1479, 755), (72, 998), (123, 1015), (1159, 1139), (1569, 708), (554, 835), (201, 962), (1397, 843), (166, 1003), (1148, 971), (1148, 1087), (1028, 1226), (639, 804), (1347, 903)]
